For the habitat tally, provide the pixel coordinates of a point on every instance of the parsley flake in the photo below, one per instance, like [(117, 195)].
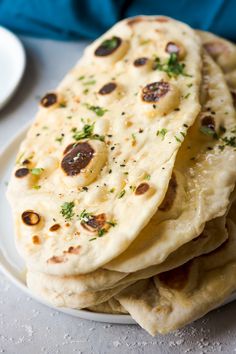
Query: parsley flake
[(110, 43), (121, 194), (85, 216), (86, 132), (101, 232), (67, 210), (36, 187), (208, 131), (178, 139), (162, 133), (147, 177), (89, 83), (59, 139), (172, 67), (36, 171), (100, 111)]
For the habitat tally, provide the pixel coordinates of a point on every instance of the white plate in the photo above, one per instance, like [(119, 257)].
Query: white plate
[(10, 262), (12, 64)]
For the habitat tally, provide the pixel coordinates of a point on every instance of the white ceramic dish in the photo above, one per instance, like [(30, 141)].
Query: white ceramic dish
[(12, 64), (10, 262)]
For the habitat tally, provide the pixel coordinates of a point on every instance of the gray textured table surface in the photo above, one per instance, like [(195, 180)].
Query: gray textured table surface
[(28, 327)]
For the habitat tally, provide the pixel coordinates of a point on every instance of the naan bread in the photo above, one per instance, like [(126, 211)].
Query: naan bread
[(58, 294), (203, 179), (103, 145), (182, 295), (224, 53), (112, 306), (80, 291)]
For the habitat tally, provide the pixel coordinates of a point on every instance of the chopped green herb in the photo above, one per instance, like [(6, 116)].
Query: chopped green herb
[(110, 43), (144, 41), (178, 139), (187, 95), (86, 132), (101, 232), (62, 105), (121, 194), (81, 77), (36, 187), (69, 117), (96, 109), (92, 239), (147, 177), (207, 131), (67, 210), (98, 137), (112, 190), (36, 171), (190, 85), (183, 134), (162, 133), (172, 67), (112, 223), (230, 141), (86, 91), (89, 83), (59, 139), (85, 216)]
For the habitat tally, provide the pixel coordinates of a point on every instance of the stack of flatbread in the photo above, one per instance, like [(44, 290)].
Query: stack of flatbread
[(122, 191)]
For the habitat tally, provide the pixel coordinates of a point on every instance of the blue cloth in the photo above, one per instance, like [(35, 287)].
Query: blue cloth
[(73, 19)]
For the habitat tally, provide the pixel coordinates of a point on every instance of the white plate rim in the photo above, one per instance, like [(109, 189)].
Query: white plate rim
[(21, 61), (84, 314)]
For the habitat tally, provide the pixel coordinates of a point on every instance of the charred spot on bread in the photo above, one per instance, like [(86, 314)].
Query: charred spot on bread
[(172, 47), (134, 21), (107, 88), (36, 240), (30, 217), (142, 188), (55, 227), (49, 99), (209, 122), (154, 91), (73, 250), (140, 61), (108, 46), (22, 172), (69, 148), (94, 222), (77, 159), (57, 259)]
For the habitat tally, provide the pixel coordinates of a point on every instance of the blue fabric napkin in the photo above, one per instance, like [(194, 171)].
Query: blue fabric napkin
[(73, 19)]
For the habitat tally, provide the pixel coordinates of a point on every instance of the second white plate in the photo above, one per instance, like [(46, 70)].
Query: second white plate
[(12, 64)]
